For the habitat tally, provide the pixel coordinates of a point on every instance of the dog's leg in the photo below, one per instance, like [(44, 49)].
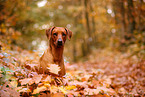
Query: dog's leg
[(62, 67)]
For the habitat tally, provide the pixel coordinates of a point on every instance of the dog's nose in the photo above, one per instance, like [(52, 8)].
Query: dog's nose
[(59, 41)]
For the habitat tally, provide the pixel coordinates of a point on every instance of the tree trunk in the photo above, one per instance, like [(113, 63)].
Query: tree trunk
[(74, 52), (131, 18), (140, 15), (1, 8), (119, 11), (115, 9), (88, 41), (84, 48), (93, 18), (93, 23), (123, 23), (87, 18)]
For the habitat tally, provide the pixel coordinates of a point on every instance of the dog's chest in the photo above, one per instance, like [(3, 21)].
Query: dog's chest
[(50, 59)]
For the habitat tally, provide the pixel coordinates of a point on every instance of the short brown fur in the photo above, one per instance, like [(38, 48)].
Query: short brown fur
[(54, 52)]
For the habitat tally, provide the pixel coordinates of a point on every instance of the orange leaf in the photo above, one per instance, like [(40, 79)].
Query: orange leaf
[(58, 95), (46, 78)]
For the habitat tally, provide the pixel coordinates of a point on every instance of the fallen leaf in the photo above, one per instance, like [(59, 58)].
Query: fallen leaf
[(31, 66), (70, 87), (53, 68), (53, 89), (37, 78), (47, 85), (89, 91), (39, 89), (26, 81), (24, 90), (46, 78), (70, 95), (14, 83), (95, 83), (62, 90), (58, 95), (40, 84)]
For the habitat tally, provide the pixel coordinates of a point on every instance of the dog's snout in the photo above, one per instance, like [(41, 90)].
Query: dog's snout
[(59, 41)]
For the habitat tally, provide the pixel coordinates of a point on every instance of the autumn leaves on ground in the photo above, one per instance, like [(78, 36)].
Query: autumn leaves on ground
[(107, 74)]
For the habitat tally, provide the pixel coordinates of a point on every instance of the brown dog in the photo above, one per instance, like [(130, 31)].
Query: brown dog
[(54, 54)]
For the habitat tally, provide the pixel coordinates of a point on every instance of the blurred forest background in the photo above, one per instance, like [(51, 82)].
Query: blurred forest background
[(115, 25), (104, 58)]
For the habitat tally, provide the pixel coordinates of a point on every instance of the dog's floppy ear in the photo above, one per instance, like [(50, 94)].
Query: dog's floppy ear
[(69, 33), (48, 32)]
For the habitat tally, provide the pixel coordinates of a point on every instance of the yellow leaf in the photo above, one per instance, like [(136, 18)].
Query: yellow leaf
[(39, 89), (47, 85), (62, 90), (70, 87), (53, 89), (40, 84), (3, 48), (14, 83), (4, 30)]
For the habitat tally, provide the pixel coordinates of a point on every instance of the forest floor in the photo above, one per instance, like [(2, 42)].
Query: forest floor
[(105, 74)]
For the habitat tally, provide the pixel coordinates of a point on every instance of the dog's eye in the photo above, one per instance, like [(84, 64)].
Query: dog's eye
[(63, 34), (54, 34)]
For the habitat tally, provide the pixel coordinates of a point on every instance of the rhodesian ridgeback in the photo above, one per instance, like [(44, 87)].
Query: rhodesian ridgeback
[(54, 53)]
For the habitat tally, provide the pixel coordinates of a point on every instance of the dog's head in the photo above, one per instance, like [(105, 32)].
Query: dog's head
[(58, 35)]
